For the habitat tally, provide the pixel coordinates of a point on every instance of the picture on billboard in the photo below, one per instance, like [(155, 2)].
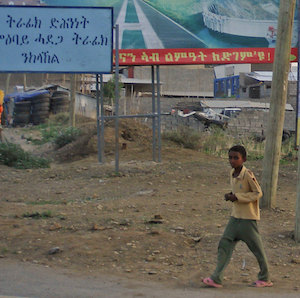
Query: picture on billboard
[(169, 24), (165, 32)]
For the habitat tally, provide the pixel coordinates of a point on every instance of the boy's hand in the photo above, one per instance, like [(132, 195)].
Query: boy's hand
[(230, 197), (227, 195)]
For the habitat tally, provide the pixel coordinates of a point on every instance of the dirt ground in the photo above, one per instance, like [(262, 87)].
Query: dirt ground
[(153, 222)]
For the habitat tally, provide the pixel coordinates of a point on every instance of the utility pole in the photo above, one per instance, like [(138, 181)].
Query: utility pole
[(7, 83), (297, 223), (73, 99), (24, 81), (278, 101)]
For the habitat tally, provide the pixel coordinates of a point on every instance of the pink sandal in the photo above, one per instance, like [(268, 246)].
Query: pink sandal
[(262, 284), (209, 282)]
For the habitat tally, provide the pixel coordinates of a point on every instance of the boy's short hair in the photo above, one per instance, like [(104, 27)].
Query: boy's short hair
[(239, 148)]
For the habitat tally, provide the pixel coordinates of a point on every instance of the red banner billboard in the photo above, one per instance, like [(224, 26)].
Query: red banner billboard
[(199, 56)]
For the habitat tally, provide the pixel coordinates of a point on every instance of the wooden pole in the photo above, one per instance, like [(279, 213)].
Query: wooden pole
[(278, 102), (73, 98), (47, 78), (64, 79), (297, 224), (297, 221), (24, 81), (7, 83)]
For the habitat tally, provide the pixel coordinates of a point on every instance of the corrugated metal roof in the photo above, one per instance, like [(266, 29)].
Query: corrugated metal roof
[(266, 76), (221, 104), (188, 93), (122, 79), (125, 80)]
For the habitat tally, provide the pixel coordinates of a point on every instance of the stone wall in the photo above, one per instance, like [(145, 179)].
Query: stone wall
[(292, 94), (248, 123), (182, 80), (254, 123), (143, 105), (174, 122)]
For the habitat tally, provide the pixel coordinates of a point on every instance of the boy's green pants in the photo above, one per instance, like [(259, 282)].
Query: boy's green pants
[(245, 230)]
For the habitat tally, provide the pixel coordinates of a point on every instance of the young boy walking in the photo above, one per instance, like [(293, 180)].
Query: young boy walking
[(242, 224)]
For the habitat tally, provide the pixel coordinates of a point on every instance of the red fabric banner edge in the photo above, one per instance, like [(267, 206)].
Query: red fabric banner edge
[(199, 56)]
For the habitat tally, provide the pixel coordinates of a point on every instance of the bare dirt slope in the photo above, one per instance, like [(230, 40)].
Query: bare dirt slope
[(154, 221)]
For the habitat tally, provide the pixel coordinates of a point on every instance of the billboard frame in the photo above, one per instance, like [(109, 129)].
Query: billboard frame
[(108, 68)]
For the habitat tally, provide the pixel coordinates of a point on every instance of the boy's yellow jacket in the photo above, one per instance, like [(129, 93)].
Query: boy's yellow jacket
[(1, 97), (248, 192), (1, 103)]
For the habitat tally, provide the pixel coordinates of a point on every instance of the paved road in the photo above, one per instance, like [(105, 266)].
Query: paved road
[(29, 280), (158, 31), (170, 33)]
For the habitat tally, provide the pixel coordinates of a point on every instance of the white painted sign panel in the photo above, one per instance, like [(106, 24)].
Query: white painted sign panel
[(56, 39)]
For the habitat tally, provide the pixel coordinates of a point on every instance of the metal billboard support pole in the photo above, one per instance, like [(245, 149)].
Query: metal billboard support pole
[(158, 113), (98, 121), (102, 119), (117, 102), (155, 115), (153, 119), (73, 99)]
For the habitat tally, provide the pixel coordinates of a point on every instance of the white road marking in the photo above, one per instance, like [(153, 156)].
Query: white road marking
[(150, 37)]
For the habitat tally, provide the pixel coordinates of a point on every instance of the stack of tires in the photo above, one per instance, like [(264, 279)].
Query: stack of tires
[(60, 102), (22, 113), (40, 108)]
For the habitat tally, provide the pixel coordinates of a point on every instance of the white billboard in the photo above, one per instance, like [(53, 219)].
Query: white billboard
[(56, 39)]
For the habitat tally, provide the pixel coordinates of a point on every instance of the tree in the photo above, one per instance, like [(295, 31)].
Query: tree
[(109, 90)]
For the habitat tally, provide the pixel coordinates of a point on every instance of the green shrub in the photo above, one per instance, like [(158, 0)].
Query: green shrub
[(66, 136), (50, 130), (60, 119), (186, 137), (49, 133), (216, 142), (289, 153), (37, 215), (13, 155), (3, 250)]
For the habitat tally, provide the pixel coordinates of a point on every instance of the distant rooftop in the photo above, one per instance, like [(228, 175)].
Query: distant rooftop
[(266, 76), (221, 104)]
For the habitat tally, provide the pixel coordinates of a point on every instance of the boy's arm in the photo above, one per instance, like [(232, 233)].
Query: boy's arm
[(255, 192)]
